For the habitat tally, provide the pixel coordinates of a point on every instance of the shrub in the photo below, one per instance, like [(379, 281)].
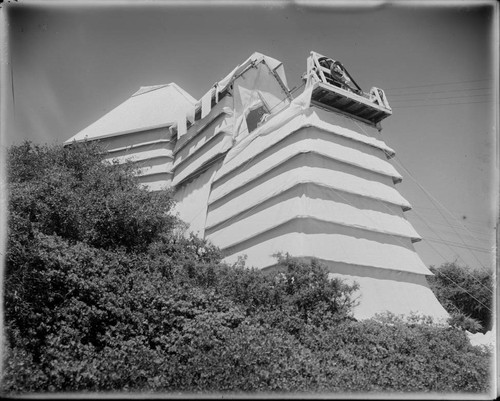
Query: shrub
[(373, 356), (465, 293), (112, 297), (72, 194)]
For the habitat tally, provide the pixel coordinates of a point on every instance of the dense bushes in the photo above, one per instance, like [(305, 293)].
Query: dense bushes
[(466, 294), (102, 293), (102, 321), (67, 192)]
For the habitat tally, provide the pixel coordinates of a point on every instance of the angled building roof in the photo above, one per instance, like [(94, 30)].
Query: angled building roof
[(148, 108), (273, 64)]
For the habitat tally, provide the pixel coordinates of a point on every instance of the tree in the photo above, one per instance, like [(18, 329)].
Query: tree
[(71, 193), (464, 293), (103, 293)]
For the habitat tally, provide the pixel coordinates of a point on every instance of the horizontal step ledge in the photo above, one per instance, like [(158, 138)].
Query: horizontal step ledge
[(309, 217), (166, 125), (142, 160), (405, 207), (137, 146), (382, 273), (386, 149), (200, 170), (189, 158), (301, 127), (156, 173), (396, 179), (197, 130), (305, 182)]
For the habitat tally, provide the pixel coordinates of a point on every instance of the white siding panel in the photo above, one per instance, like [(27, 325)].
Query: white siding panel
[(302, 141), (280, 181), (300, 203), (192, 200), (312, 239)]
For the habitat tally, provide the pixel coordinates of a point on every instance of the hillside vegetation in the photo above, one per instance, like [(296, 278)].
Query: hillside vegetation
[(103, 292), (466, 294)]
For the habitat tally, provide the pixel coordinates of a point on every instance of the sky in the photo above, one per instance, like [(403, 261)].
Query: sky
[(66, 64)]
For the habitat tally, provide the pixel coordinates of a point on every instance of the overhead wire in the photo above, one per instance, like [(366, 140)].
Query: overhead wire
[(419, 206), (445, 242), (438, 84), (456, 244), (472, 296), (423, 189), (471, 246), (431, 244), (445, 259), (397, 237), (438, 98), (440, 239), (407, 99), (469, 231), (432, 198), (432, 230), (434, 201), (439, 91), (246, 212), (467, 292), (249, 210), (438, 105), (476, 235)]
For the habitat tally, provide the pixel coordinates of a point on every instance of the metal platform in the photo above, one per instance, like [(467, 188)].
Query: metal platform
[(349, 102), (335, 88)]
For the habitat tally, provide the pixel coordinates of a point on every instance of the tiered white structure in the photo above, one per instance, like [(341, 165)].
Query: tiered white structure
[(259, 172)]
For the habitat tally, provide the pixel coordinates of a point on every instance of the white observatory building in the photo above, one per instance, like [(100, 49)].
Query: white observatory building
[(258, 171)]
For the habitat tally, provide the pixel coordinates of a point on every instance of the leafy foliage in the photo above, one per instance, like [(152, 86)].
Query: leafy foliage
[(68, 192), (102, 293), (466, 294)]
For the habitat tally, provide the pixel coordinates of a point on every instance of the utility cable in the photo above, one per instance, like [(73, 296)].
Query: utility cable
[(435, 201), (250, 210), (456, 244), (438, 98), (404, 245), (438, 84), (245, 213), (479, 236), (476, 236), (438, 105), (443, 91), (428, 195), (456, 254)]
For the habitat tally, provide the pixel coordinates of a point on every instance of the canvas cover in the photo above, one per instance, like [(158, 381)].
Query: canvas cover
[(305, 180), (160, 107)]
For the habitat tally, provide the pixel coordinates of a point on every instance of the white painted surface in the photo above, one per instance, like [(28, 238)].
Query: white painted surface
[(160, 107)]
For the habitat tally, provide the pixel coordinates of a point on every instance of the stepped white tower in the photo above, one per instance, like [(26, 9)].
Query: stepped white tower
[(258, 171)]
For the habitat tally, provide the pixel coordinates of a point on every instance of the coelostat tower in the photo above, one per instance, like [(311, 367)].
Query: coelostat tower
[(259, 170)]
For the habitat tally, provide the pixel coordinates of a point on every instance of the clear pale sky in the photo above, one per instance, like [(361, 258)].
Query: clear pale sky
[(438, 65)]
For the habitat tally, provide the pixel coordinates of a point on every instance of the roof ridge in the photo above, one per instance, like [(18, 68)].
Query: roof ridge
[(146, 89)]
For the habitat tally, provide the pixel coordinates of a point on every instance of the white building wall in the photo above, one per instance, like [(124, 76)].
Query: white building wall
[(151, 152), (316, 188), (308, 181), (192, 200)]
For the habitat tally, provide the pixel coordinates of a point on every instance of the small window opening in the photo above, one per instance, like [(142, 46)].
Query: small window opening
[(255, 117), (197, 114)]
